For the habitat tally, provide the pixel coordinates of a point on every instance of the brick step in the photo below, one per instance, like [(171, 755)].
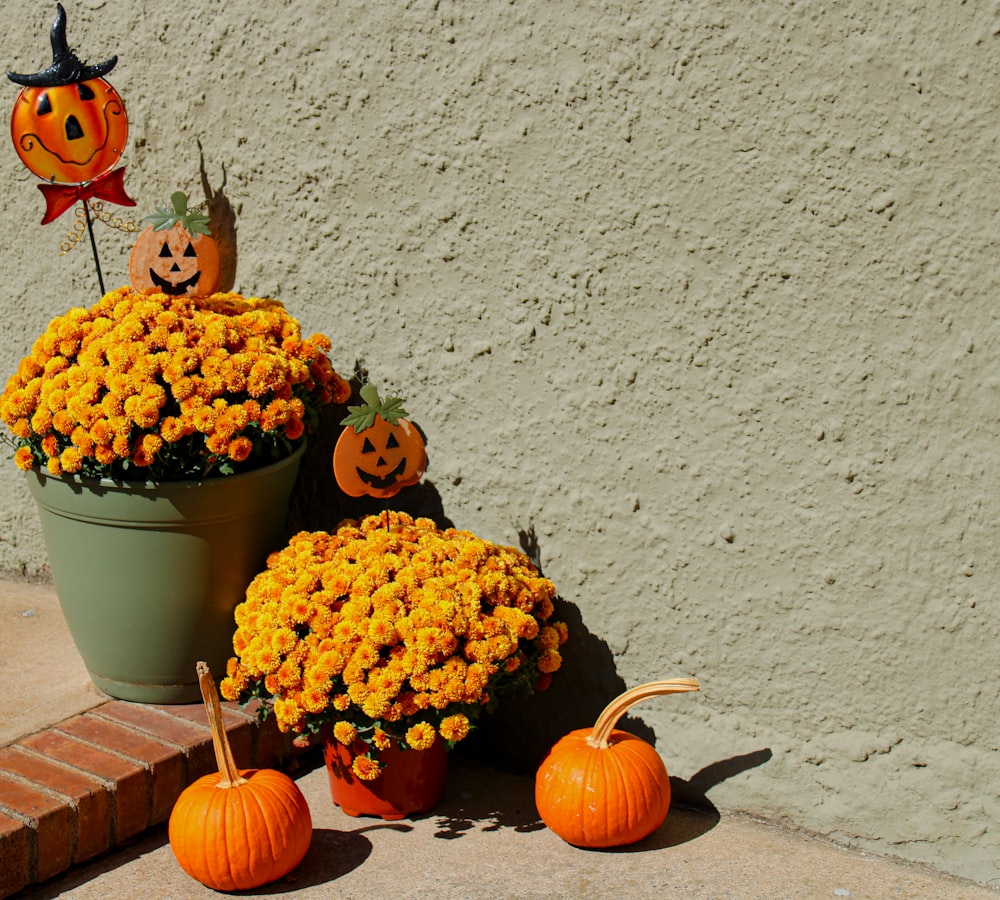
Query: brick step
[(93, 781)]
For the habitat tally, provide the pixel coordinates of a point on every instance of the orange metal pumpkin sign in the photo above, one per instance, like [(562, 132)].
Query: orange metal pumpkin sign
[(69, 127), (379, 452), (69, 124), (176, 254), (70, 133)]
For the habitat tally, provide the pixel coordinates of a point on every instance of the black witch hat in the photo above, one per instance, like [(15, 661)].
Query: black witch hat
[(66, 68)]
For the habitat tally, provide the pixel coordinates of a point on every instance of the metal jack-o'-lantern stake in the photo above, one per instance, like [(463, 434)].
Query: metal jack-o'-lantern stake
[(379, 451), (69, 128)]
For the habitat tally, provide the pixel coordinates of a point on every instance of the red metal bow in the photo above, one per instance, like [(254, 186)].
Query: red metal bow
[(61, 197)]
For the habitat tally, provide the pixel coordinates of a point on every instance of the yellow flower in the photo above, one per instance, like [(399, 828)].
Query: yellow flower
[(381, 740), (71, 460), (421, 736), (274, 415), (41, 421), (549, 661), (152, 444), (375, 706), (24, 458), (345, 732), (366, 769), (455, 728), (239, 449), (288, 714)]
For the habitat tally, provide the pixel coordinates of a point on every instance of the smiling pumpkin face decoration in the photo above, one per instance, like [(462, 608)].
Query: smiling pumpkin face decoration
[(68, 124), (70, 133), (379, 452), (69, 128), (176, 254)]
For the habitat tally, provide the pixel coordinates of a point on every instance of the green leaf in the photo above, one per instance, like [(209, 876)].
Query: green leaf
[(361, 418), (191, 220), (369, 393), (392, 410)]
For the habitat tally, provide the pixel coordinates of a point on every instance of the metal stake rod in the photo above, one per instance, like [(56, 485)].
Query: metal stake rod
[(93, 246)]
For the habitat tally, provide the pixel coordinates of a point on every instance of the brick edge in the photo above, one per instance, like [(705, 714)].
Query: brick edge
[(108, 774)]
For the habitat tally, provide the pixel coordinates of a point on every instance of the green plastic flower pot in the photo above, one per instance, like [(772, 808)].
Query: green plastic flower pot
[(148, 576)]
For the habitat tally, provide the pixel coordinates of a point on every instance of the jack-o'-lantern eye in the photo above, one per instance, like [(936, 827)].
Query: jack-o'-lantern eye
[(44, 105), (391, 443), (367, 446), (190, 251), (85, 91), (165, 251)]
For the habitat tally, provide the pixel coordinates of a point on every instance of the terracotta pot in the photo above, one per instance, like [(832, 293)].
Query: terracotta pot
[(411, 782), (148, 575)]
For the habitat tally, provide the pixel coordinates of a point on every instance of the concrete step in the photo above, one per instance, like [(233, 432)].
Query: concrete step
[(87, 784)]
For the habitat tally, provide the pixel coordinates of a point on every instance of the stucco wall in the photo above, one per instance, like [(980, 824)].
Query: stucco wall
[(705, 294)]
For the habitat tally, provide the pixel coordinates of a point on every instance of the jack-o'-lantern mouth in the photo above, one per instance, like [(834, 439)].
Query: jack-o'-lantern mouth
[(58, 144), (173, 288), (382, 481)]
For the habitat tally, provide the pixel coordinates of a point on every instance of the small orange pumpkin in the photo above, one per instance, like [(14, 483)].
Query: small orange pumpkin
[(233, 830), (177, 253), (602, 787), (379, 451)]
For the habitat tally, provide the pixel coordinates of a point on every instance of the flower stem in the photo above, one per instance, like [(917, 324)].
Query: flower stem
[(611, 713), (223, 752)]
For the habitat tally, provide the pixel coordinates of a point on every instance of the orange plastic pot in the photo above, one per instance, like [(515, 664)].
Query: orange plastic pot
[(411, 781)]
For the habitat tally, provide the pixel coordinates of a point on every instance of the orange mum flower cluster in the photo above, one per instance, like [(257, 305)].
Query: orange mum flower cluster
[(147, 387), (391, 629)]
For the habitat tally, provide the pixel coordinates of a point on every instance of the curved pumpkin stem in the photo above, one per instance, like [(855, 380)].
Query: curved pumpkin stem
[(223, 752), (608, 719)]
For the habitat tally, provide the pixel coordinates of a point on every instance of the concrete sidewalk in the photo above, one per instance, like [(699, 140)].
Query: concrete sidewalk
[(484, 840)]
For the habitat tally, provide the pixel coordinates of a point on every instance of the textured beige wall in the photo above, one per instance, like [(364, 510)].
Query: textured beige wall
[(704, 293)]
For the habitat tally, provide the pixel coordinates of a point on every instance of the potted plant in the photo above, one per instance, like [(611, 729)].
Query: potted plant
[(388, 638), (161, 435)]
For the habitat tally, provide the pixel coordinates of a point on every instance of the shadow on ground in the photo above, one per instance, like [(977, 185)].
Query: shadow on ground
[(331, 855), (479, 798), (484, 798)]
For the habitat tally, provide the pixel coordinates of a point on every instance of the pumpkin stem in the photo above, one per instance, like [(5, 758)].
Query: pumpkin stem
[(223, 752), (608, 719)]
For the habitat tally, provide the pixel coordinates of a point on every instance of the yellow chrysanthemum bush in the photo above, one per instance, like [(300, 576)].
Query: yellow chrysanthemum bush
[(392, 629), (150, 387)]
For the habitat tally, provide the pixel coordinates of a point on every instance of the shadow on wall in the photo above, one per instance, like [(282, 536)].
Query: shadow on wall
[(693, 792), (520, 733), (318, 504)]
